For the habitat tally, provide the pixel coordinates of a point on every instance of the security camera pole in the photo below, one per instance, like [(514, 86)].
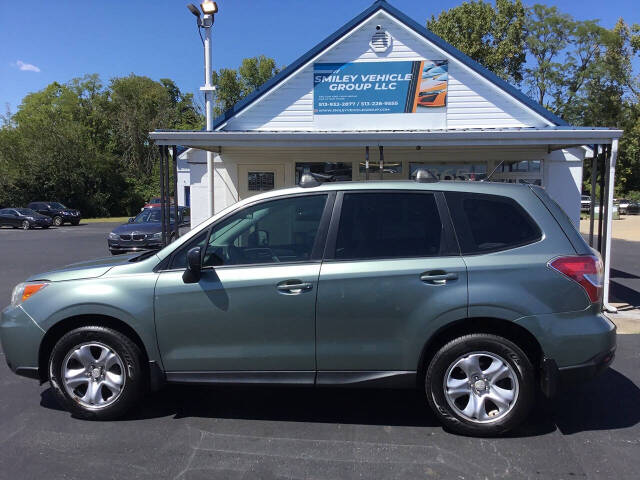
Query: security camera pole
[(206, 22)]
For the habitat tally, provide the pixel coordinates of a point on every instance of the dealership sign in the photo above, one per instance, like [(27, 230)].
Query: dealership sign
[(375, 88)]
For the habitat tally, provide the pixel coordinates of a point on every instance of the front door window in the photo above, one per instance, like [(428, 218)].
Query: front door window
[(276, 231)]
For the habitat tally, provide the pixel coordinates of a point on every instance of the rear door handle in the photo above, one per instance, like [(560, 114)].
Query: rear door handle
[(439, 278), (293, 287)]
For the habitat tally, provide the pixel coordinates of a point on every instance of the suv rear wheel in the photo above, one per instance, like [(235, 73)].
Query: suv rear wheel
[(480, 384), (57, 220), (96, 372)]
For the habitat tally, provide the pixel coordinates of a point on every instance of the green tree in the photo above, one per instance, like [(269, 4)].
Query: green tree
[(233, 85), (87, 144), (137, 105), (493, 36)]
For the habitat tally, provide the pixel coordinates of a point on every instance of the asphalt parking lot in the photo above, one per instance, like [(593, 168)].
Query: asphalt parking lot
[(196, 433)]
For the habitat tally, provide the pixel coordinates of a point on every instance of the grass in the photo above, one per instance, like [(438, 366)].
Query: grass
[(105, 220)]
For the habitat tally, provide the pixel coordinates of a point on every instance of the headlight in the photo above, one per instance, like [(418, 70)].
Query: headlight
[(157, 235), (23, 291), (113, 236)]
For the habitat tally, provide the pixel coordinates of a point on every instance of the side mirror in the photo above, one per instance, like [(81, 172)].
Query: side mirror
[(131, 219), (194, 266)]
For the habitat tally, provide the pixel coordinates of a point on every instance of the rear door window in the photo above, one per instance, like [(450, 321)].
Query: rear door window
[(389, 225), (488, 223)]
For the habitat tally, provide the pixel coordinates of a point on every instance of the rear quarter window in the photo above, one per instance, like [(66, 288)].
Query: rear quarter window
[(489, 223)]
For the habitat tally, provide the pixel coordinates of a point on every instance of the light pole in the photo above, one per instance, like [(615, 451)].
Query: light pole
[(209, 9)]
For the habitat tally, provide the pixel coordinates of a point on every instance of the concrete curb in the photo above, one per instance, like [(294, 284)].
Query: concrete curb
[(627, 322)]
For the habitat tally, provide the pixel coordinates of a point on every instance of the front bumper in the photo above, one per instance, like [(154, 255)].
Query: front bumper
[(69, 218), (20, 337), (133, 245)]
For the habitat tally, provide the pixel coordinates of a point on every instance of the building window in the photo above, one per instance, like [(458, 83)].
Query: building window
[(452, 171), (520, 171), (261, 181), (327, 171), (389, 167), (521, 166)]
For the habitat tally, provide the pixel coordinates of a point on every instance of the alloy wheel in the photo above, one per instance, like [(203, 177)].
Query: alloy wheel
[(482, 387), (57, 221), (25, 225), (93, 375)]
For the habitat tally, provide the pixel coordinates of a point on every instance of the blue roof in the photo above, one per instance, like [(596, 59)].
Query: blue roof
[(412, 24)]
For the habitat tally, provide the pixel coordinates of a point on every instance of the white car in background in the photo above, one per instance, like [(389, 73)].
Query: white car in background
[(623, 205)]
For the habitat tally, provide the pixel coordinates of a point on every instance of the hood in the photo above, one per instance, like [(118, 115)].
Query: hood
[(89, 269), (150, 227)]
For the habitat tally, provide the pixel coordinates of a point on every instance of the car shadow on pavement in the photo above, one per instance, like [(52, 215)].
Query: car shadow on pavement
[(624, 294), (606, 403)]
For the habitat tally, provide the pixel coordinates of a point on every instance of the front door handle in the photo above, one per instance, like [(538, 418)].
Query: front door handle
[(293, 287), (438, 278)]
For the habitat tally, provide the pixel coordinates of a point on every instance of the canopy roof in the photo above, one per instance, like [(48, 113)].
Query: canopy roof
[(558, 136)]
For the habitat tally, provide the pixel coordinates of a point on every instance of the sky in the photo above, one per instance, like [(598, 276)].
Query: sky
[(57, 40)]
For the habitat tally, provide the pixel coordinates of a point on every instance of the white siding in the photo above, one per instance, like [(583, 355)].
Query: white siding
[(563, 180), (473, 102)]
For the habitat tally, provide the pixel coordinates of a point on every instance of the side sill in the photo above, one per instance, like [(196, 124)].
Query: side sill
[(243, 378), (354, 379), (367, 379)]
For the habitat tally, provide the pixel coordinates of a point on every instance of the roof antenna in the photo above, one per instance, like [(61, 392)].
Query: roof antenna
[(485, 179)]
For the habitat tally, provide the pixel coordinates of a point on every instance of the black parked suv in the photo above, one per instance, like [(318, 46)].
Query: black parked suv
[(58, 212)]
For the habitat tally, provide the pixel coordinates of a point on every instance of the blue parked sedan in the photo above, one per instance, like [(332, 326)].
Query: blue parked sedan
[(24, 218)]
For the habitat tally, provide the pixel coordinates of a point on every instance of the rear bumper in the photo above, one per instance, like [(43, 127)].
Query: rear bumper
[(554, 378)]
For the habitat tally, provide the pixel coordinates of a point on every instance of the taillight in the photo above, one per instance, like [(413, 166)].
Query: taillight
[(584, 269)]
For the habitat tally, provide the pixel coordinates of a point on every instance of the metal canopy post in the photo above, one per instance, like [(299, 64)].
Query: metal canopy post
[(601, 199), (366, 163), (611, 174), (167, 198), (381, 162), (176, 224), (163, 152), (594, 177)]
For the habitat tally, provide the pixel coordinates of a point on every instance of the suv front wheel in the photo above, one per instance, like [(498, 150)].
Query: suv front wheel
[(96, 372), (480, 384)]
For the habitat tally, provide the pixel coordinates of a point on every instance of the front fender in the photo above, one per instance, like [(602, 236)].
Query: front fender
[(128, 298)]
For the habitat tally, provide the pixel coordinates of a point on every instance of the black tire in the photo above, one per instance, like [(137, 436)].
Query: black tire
[(477, 343), (135, 374), (57, 221)]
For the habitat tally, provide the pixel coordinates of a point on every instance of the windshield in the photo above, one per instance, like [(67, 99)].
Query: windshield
[(151, 215), (25, 211), (57, 205)]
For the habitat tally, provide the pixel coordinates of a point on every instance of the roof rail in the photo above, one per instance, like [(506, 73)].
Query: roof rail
[(423, 175)]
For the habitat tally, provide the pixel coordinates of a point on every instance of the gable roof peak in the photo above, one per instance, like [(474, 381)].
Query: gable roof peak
[(408, 22)]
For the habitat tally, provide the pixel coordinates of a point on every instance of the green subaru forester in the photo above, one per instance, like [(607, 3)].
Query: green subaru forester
[(478, 294)]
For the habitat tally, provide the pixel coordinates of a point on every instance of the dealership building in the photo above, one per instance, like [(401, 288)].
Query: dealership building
[(379, 99)]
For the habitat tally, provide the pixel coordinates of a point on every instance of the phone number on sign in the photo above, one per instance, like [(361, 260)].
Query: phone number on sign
[(359, 104)]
